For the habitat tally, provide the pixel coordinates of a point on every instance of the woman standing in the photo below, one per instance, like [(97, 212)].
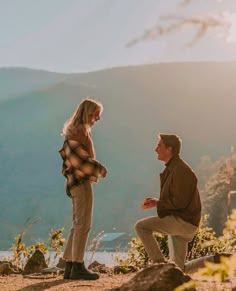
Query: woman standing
[(80, 169)]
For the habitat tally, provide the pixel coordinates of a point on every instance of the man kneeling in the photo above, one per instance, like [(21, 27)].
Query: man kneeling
[(178, 208)]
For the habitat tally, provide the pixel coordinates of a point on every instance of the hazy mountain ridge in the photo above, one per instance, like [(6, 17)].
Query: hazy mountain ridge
[(195, 100), (17, 81)]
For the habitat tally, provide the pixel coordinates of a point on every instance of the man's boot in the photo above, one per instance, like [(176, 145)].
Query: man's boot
[(79, 272), (68, 267)]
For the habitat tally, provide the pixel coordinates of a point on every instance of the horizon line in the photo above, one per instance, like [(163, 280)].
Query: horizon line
[(112, 67)]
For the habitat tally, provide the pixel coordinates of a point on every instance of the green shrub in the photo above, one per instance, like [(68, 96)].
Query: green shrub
[(205, 242), (137, 256)]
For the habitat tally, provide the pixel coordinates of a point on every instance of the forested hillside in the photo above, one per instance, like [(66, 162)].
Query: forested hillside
[(195, 100)]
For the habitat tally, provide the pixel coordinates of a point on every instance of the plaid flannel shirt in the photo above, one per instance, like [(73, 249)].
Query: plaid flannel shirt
[(78, 166)]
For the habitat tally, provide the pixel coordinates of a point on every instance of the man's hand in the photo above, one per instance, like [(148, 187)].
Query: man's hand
[(149, 203), (103, 172)]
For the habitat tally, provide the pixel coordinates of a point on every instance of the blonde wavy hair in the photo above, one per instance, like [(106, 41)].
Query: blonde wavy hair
[(82, 116)]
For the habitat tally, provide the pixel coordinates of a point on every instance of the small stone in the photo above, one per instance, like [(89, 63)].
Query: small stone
[(124, 270), (95, 266), (5, 269), (61, 263), (52, 270)]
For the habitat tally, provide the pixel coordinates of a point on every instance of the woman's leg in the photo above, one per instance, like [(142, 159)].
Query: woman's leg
[(82, 207), (67, 256), (82, 199)]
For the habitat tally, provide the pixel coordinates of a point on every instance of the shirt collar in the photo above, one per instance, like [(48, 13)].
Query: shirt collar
[(173, 158)]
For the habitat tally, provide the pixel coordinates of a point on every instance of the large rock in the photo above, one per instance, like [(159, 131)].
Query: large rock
[(35, 263), (158, 277)]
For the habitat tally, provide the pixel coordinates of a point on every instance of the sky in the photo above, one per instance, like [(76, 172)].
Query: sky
[(87, 35)]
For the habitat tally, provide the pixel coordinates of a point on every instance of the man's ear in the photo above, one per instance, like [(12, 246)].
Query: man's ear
[(170, 150)]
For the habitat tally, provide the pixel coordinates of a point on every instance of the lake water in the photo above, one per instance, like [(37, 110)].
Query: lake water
[(107, 258)]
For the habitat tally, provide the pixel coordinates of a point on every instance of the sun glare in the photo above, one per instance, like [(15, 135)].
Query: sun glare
[(232, 28)]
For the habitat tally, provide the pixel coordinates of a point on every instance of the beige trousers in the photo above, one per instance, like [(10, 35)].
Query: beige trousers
[(179, 234), (82, 207)]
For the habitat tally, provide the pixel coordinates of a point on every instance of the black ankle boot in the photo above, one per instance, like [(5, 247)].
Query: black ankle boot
[(79, 272), (68, 267)]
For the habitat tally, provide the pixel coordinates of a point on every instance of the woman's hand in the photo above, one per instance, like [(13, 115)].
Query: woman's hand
[(149, 203), (103, 172)]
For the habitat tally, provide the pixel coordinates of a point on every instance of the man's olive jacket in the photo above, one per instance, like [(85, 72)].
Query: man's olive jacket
[(179, 192)]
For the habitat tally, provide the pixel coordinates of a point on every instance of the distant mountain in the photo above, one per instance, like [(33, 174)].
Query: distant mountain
[(25, 81), (195, 100)]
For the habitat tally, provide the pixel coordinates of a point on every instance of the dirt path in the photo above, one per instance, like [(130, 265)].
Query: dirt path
[(19, 283), (106, 282)]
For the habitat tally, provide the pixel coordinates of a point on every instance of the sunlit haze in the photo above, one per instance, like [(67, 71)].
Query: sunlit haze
[(232, 30), (86, 35)]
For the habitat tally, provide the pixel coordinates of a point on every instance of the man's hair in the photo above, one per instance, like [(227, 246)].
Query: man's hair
[(173, 141)]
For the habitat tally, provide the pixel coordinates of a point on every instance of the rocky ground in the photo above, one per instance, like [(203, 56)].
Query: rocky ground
[(106, 282), (158, 276)]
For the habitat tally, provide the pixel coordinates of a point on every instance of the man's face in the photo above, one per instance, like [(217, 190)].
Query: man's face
[(163, 153)]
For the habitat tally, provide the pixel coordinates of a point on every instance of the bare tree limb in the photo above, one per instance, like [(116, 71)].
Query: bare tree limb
[(202, 23)]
